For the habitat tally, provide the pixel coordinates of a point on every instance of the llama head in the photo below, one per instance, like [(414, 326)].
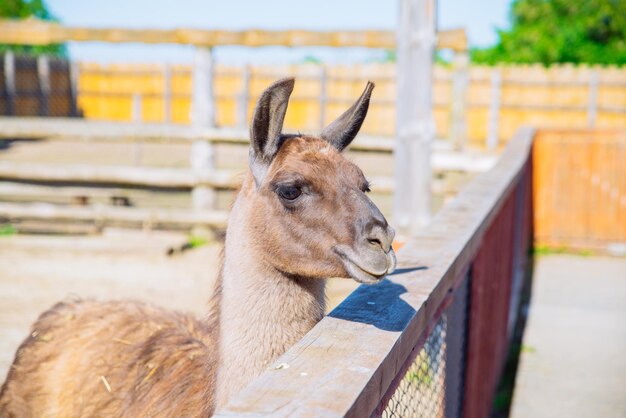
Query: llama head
[(311, 215)]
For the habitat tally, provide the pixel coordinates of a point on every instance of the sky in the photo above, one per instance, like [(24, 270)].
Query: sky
[(479, 18)]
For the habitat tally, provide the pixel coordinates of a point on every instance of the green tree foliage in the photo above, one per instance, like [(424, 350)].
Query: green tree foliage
[(560, 31), (23, 9)]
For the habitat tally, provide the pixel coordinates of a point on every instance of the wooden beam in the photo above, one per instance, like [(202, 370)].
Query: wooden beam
[(105, 215), (38, 32), (415, 126), (352, 356), (170, 178), (79, 129), (202, 155)]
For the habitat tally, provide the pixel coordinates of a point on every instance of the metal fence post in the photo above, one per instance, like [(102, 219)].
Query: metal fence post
[(493, 121), (458, 116), (415, 123), (202, 118)]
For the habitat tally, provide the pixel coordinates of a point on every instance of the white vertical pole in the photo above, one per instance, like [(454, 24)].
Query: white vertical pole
[(493, 122), (202, 118), (592, 104), (415, 123)]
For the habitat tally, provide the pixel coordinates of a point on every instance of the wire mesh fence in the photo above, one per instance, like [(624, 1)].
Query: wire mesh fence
[(432, 386), (421, 392)]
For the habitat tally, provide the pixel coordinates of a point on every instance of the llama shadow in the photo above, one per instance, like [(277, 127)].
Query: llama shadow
[(379, 305)]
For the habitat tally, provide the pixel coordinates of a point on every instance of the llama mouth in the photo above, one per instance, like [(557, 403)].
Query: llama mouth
[(360, 273)]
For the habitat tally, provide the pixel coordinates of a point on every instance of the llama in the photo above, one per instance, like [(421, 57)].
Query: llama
[(302, 215)]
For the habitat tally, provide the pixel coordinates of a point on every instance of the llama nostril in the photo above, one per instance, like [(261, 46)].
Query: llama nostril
[(375, 241)]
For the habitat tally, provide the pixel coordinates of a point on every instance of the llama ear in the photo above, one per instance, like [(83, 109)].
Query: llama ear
[(267, 124), (344, 129)]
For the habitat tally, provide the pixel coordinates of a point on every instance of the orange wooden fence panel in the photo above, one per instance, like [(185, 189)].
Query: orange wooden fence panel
[(580, 188), (560, 96)]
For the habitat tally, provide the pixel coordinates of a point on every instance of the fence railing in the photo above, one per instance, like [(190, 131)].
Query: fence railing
[(86, 182), (482, 106), (487, 103), (431, 339)]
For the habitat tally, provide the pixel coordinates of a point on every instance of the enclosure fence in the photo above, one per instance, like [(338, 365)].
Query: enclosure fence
[(580, 189), (473, 105), (431, 339)]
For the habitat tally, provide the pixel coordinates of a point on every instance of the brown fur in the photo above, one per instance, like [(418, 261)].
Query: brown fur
[(129, 359), (154, 363)]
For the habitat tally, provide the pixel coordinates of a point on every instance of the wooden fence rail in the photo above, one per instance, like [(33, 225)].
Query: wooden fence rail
[(38, 32), (185, 178), (431, 339)]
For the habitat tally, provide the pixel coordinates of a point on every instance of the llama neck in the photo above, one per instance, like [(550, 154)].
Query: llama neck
[(262, 311)]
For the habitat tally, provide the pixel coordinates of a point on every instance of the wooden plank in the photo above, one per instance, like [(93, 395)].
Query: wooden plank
[(104, 215), (352, 355), (173, 178), (38, 32)]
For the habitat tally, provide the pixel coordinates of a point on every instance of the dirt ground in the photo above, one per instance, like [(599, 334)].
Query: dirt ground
[(37, 271)]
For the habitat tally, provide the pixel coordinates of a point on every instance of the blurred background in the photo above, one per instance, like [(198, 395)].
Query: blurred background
[(123, 131)]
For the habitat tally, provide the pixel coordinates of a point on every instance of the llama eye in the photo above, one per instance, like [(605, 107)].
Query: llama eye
[(290, 193)]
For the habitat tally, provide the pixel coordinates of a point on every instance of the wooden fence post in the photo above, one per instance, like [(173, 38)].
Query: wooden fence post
[(43, 74), (323, 95), (137, 117), (202, 118), (458, 116), (415, 125), (9, 81), (136, 109), (167, 94), (244, 97), (493, 121), (592, 104), (74, 74)]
